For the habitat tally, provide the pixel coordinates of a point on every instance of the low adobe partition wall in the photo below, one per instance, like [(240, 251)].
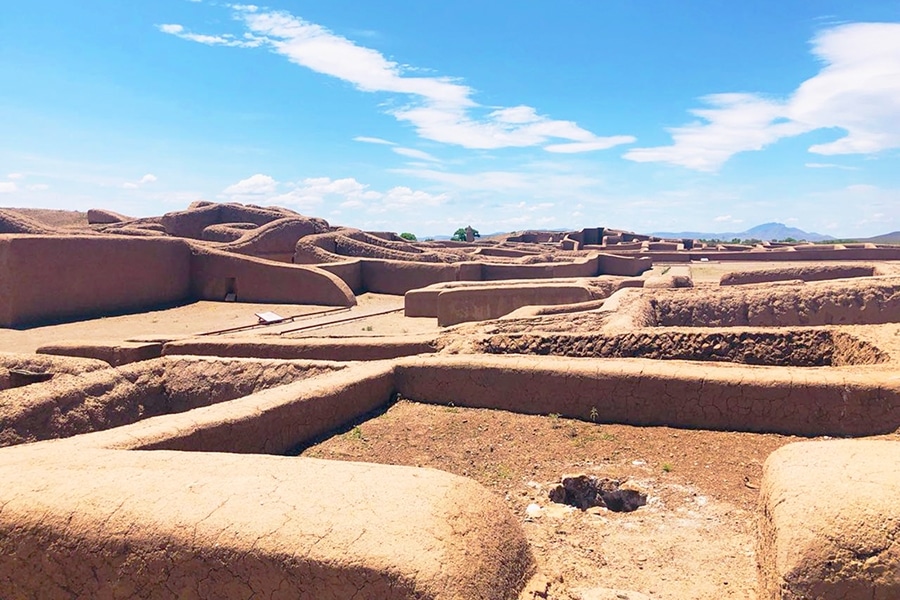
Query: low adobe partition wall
[(810, 273), (822, 303), (787, 400), (787, 255), (216, 519), (99, 399), (494, 299), (797, 347)]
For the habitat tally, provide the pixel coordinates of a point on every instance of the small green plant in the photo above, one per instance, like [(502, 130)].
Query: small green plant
[(594, 414), (554, 420), (503, 472), (667, 467), (608, 437), (355, 434), (451, 408), (409, 237)]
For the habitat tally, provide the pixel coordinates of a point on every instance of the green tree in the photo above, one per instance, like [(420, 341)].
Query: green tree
[(408, 236), (460, 234)]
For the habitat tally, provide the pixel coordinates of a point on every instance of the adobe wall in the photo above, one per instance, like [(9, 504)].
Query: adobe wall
[(862, 254), (643, 392), (490, 302), (810, 273), (626, 266), (217, 525), (216, 273), (398, 277), (496, 272), (828, 522), (579, 267), (423, 302), (798, 347), (72, 404), (344, 349), (350, 272), (59, 277), (824, 303), (191, 223), (275, 240)]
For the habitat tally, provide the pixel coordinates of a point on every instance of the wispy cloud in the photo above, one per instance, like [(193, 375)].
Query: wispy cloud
[(440, 109), (373, 140), (210, 40), (8, 187), (16, 176), (416, 154), (857, 92), (815, 165)]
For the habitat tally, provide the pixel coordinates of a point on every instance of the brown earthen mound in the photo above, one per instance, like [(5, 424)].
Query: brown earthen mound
[(101, 216), (226, 232), (15, 222), (276, 239)]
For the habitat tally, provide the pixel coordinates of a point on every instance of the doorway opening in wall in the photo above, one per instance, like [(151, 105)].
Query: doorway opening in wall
[(230, 289)]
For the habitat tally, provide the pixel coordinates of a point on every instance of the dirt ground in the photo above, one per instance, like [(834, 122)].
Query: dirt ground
[(693, 540), (204, 317)]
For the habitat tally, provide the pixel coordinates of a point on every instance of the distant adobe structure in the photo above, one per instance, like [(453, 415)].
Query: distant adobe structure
[(232, 251)]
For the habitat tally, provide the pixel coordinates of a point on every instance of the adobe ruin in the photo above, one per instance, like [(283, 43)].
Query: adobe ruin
[(164, 464)]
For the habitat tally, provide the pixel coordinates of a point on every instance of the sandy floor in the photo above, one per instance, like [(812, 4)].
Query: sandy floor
[(204, 317)]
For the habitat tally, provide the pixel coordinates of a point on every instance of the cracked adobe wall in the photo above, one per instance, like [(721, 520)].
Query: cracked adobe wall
[(94, 518)]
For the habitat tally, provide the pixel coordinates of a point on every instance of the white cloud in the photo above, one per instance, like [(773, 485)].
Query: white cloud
[(857, 91), (314, 193), (8, 187), (439, 108), (372, 140), (16, 176), (603, 144), (417, 154), (38, 187), (209, 40), (133, 185), (254, 185), (814, 165), (722, 219)]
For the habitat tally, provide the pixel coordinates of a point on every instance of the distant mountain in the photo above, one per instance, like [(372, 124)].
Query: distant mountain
[(885, 238), (765, 232)]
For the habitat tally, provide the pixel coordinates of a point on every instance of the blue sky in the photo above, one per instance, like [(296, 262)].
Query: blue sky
[(425, 116)]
